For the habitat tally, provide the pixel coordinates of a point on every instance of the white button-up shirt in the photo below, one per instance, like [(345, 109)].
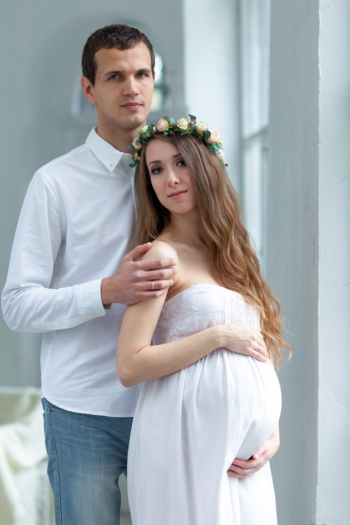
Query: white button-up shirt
[(74, 229)]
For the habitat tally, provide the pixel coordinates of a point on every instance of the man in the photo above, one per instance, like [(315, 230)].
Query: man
[(69, 278)]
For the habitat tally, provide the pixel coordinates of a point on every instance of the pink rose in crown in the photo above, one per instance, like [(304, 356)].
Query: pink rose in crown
[(220, 154), (163, 125), (136, 146), (214, 136)]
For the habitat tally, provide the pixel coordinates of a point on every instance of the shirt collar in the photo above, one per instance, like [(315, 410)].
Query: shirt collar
[(107, 154)]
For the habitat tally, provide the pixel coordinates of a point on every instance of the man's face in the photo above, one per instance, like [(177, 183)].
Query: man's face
[(123, 87)]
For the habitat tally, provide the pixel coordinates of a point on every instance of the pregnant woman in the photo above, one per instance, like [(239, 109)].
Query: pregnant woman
[(190, 425)]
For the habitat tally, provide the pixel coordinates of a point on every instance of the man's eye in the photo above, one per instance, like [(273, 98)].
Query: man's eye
[(141, 75), (113, 77)]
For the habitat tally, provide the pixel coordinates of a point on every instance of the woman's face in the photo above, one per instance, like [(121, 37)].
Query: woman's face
[(170, 177)]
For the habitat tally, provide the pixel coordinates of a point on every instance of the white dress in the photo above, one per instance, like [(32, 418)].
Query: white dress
[(189, 426)]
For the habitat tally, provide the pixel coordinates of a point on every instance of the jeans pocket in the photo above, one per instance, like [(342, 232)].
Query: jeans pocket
[(54, 408)]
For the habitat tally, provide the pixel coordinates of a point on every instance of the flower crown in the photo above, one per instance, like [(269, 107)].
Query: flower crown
[(168, 126)]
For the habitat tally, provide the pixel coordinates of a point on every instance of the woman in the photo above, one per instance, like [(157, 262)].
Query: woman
[(190, 425)]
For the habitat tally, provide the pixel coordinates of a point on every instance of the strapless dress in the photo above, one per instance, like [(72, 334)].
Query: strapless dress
[(190, 425)]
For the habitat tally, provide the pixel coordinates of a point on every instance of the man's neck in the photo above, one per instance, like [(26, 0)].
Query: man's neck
[(118, 138)]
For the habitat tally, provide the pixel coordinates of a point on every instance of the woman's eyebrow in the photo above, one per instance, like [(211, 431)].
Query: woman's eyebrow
[(174, 157)]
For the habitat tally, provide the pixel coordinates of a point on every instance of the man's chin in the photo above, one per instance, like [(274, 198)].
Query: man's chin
[(131, 122)]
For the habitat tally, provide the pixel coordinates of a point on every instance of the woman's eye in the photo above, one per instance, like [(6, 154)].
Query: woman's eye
[(181, 163), (155, 171)]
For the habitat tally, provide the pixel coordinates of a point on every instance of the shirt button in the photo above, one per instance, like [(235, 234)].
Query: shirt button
[(60, 325), (94, 315), (125, 156)]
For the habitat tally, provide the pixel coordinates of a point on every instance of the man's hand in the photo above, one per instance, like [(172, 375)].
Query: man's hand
[(136, 281), (241, 469)]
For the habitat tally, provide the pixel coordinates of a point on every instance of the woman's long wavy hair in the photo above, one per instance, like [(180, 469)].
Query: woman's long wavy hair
[(234, 263)]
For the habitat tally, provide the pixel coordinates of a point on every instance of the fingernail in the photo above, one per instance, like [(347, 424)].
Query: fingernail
[(173, 261), (255, 456)]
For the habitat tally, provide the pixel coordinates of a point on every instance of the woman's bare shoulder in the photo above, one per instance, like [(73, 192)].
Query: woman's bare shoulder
[(160, 250)]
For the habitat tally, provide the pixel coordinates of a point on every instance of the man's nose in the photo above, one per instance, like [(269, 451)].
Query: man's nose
[(131, 87)]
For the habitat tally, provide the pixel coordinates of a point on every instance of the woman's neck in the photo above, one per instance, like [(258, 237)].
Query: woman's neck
[(184, 228)]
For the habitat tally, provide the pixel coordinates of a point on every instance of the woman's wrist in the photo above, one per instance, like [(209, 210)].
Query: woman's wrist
[(220, 336)]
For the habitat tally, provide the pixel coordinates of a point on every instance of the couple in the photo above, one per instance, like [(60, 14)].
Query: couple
[(206, 422)]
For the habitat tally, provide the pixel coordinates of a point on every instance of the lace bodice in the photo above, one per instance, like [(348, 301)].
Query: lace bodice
[(199, 307)]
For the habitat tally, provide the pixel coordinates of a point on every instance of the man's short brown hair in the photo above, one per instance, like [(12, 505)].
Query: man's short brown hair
[(117, 35)]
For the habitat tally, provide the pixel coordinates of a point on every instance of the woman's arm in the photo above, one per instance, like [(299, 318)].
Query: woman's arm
[(138, 361)]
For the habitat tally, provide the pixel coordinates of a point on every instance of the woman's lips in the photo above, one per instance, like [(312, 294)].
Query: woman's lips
[(177, 195)]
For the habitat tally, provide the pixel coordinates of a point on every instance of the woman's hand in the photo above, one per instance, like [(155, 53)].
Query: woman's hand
[(243, 339), (241, 469)]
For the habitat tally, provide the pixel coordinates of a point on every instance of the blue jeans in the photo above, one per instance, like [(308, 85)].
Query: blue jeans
[(87, 454)]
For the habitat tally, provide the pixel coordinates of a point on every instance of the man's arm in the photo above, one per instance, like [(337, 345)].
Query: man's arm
[(28, 303)]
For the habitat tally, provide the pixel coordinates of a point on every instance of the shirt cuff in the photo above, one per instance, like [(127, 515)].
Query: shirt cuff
[(89, 300)]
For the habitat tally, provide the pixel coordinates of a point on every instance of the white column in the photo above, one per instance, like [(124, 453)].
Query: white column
[(333, 493), (308, 259)]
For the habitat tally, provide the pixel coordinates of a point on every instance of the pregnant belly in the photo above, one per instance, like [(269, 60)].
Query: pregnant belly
[(232, 400)]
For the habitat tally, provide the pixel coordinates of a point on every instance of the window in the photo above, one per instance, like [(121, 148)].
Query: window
[(254, 22), (160, 88)]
